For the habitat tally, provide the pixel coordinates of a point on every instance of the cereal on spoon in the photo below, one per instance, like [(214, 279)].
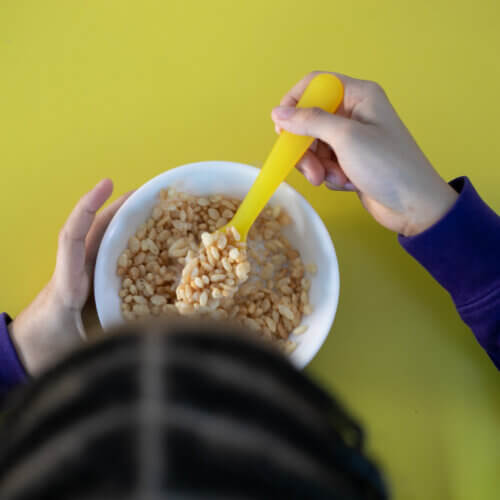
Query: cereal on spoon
[(261, 284), (214, 274)]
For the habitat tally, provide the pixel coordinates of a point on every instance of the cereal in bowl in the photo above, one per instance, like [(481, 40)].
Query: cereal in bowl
[(178, 262)]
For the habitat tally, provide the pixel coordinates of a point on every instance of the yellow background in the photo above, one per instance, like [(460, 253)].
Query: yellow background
[(124, 89)]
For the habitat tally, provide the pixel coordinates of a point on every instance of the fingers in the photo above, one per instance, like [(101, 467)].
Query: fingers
[(313, 122), (80, 220), (347, 188), (71, 248), (323, 151), (293, 96), (99, 227), (312, 168), (324, 170), (363, 99), (352, 92), (335, 178), (363, 103)]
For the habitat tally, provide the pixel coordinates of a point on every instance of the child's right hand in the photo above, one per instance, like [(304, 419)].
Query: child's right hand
[(365, 147)]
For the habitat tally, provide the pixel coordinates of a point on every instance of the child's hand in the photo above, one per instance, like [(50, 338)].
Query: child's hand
[(51, 324), (366, 148)]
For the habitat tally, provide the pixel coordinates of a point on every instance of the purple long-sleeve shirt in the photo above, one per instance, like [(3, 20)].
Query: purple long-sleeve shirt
[(12, 371), (461, 251)]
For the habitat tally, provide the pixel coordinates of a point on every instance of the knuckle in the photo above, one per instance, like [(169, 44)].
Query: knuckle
[(316, 112), (311, 75), (345, 135), (374, 88), (310, 114), (63, 235)]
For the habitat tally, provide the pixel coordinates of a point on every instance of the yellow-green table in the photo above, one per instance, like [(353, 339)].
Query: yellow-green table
[(127, 89)]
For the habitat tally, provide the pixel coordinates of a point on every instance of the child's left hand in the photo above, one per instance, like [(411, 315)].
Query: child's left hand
[(51, 325)]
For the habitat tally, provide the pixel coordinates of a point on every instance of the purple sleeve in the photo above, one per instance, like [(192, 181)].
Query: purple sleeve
[(12, 372), (462, 252)]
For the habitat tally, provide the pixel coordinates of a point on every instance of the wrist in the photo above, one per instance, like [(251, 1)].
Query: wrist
[(23, 331), (43, 331), (431, 208)]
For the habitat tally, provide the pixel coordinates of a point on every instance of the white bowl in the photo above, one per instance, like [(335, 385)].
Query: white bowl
[(307, 233)]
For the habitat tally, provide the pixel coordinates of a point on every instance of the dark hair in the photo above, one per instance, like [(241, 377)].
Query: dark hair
[(197, 413)]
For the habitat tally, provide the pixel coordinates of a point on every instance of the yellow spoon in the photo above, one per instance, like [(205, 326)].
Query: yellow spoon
[(325, 91)]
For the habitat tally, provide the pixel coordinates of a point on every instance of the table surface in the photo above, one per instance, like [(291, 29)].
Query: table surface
[(129, 89)]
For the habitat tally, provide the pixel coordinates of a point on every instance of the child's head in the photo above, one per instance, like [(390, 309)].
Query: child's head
[(197, 413)]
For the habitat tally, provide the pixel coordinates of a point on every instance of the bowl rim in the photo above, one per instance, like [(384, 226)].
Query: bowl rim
[(98, 286)]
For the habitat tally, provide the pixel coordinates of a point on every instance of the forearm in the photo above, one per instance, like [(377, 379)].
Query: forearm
[(461, 251)]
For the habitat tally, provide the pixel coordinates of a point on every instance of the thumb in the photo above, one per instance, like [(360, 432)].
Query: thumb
[(70, 262), (313, 122)]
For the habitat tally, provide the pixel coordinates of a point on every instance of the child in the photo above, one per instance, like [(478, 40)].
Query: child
[(364, 148), (181, 411)]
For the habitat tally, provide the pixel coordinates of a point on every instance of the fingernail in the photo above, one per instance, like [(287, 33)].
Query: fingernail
[(283, 112), (350, 186), (332, 178)]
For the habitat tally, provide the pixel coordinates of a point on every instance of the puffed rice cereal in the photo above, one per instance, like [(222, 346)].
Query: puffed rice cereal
[(177, 262)]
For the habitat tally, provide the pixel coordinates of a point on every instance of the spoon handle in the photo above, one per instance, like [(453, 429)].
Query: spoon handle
[(325, 91)]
